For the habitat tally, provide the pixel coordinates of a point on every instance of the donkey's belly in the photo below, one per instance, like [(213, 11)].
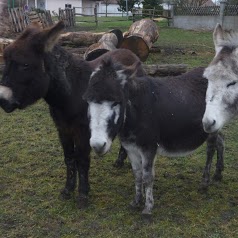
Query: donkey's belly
[(181, 145), (161, 150)]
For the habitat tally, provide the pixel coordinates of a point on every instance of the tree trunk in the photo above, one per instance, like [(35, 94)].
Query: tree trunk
[(4, 19)]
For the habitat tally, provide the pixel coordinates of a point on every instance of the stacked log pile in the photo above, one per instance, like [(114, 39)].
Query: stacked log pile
[(139, 39)]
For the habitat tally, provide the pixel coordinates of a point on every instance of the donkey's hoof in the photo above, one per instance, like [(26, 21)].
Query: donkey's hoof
[(65, 194), (134, 205), (203, 188), (147, 218), (118, 164), (217, 177), (82, 201)]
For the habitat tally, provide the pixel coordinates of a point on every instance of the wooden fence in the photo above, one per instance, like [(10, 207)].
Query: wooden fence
[(68, 16), (20, 19)]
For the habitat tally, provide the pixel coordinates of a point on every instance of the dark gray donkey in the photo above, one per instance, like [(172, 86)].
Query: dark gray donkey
[(150, 115)]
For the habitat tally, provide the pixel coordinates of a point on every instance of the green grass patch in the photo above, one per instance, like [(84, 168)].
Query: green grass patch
[(32, 173)]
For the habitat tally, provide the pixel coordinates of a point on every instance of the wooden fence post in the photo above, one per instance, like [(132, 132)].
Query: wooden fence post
[(96, 16), (74, 16)]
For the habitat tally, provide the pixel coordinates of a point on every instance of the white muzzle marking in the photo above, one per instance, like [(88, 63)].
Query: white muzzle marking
[(99, 117), (5, 93)]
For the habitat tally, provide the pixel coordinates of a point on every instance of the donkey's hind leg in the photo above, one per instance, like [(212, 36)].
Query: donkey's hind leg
[(220, 157)]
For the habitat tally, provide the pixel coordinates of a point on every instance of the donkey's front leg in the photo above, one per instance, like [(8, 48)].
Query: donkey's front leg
[(136, 164), (220, 157), (148, 181), (83, 164), (71, 169), (214, 142)]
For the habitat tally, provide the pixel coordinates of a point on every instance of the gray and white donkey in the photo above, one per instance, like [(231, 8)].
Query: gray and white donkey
[(222, 75)]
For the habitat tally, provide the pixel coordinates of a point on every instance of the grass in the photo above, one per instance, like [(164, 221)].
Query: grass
[(32, 172)]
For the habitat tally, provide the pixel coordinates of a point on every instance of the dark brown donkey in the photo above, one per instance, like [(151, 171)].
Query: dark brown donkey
[(36, 67)]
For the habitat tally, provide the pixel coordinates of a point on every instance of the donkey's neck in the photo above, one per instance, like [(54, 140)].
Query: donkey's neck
[(140, 99), (68, 78)]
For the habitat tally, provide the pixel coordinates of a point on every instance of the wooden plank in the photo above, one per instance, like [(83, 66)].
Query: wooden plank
[(49, 18), (19, 19), (14, 21)]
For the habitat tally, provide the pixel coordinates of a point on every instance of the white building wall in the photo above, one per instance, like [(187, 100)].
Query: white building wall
[(85, 6), (88, 7), (54, 5), (111, 9)]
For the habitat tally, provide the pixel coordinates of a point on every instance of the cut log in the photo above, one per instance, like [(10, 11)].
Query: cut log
[(140, 37), (109, 41), (164, 69), (82, 38)]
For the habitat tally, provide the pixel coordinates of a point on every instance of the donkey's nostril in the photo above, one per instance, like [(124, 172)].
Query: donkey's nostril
[(213, 123)]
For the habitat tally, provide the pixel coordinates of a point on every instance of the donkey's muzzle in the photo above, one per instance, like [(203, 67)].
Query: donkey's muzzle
[(8, 106), (209, 126), (99, 147)]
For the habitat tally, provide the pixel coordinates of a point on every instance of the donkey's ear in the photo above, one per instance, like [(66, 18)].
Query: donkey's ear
[(49, 37), (218, 37), (131, 71), (128, 72)]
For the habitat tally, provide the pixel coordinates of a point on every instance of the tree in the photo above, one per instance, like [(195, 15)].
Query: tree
[(150, 4), (130, 4)]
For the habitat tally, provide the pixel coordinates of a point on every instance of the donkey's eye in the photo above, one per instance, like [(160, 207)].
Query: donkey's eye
[(114, 104), (231, 84), (24, 67)]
